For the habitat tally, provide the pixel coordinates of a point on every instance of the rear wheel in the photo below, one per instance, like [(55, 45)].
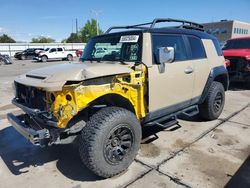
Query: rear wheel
[(69, 57), (213, 105), (110, 141)]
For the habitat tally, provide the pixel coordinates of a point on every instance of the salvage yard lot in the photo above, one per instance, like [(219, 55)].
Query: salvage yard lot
[(194, 154)]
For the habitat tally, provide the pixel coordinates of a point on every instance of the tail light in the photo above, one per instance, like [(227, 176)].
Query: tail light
[(227, 63)]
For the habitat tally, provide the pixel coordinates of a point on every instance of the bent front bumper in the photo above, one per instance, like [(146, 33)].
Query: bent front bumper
[(37, 58), (36, 137)]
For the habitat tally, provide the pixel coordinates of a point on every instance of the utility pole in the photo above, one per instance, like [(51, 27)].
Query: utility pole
[(96, 13), (76, 26)]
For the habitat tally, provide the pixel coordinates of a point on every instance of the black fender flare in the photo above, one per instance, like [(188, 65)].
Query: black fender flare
[(219, 74)]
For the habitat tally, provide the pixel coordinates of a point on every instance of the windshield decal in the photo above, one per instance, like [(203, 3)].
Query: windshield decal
[(129, 38)]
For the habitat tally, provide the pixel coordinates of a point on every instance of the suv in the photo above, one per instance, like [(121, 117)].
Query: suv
[(28, 53), (237, 51), (147, 77)]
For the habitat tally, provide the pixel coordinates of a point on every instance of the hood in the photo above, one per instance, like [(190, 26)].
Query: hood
[(53, 78), (237, 53)]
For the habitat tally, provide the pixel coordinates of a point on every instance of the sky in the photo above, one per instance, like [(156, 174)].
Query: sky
[(26, 19)]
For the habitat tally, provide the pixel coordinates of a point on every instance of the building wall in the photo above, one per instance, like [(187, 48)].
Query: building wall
[(221, 30), (225, 30), (240, 29)]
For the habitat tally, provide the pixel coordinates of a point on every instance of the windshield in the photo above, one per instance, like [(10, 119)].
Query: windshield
[(47, 49), (122, 47), (237, 44)]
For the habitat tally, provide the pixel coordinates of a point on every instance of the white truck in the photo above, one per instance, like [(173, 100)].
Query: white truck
[(55, 54)]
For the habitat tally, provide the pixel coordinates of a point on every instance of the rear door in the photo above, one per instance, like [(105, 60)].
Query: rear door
[(60, 53), (201, 65), (172, 89)]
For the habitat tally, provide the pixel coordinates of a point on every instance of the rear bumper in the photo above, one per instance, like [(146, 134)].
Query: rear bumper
[(36, 137)]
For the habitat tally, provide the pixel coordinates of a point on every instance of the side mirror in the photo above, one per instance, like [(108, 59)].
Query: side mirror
[(166, 55)]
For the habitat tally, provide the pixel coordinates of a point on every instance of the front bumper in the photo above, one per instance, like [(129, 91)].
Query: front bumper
[(37, 58), (36, 137)]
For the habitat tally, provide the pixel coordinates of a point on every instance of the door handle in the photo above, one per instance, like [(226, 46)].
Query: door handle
[(189, 70)]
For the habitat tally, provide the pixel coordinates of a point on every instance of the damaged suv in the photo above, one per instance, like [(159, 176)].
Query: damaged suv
[(237, 51), (146, 77)]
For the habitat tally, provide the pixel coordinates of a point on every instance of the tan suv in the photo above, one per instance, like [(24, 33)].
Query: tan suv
[(147, 76)]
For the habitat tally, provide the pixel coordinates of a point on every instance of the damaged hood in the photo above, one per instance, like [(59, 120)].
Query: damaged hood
[(53, 78)]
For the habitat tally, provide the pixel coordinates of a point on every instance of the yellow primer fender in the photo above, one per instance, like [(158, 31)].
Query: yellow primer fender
[(74, 98)]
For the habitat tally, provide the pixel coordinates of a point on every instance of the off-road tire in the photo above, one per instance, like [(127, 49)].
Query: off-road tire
[(69, 57), (213, 105), (95, 138), (44, 59)]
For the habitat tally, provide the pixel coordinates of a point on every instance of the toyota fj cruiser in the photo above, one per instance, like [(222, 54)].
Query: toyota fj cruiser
[(146, 77)]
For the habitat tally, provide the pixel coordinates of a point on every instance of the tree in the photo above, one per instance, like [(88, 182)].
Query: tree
[(6, 39), (42, 39), (73, 38), (90, 30)]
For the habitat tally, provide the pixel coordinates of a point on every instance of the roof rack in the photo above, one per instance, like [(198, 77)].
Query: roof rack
[(184, 24)]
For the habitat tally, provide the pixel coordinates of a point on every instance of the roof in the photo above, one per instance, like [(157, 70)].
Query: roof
[(185, 27)]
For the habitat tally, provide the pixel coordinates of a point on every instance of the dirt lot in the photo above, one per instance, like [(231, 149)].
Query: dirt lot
[(194, 154)]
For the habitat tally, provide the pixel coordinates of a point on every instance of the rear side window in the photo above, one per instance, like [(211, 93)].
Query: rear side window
[(197, 48), (59, 49), (175, 41), (217, 47)]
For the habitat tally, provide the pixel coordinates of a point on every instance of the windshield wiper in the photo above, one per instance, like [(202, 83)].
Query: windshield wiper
[(122, 61)]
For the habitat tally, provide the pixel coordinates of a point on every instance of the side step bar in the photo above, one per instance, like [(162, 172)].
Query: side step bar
[(171, 120), (164, 122)]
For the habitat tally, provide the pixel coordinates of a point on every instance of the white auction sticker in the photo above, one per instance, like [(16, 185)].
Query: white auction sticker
[(129, 38)]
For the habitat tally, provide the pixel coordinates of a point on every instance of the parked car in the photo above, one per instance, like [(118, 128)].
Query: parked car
[(5, 59), (105, 101), (79, 52), (55, 54), (29, 53), (237, 51)]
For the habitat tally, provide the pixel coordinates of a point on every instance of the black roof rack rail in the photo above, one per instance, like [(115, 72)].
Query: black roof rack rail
[(185, 24)]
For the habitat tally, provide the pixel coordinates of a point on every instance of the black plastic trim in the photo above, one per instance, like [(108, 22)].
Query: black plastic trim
[(177, 108), (215, 72)]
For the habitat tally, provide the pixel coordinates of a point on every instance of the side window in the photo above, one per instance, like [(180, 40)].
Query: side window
[(217, 47), (197, 48), (59, 49), (52, 50), (175, 41)]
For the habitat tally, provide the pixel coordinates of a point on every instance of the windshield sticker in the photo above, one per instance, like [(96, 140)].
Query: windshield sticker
[(129, 38)]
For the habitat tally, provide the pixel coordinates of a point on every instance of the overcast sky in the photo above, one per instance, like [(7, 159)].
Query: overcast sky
[(25, 19)]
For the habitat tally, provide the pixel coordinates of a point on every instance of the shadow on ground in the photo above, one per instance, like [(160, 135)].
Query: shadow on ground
[(18, 155), (242, 177), (238, 86)]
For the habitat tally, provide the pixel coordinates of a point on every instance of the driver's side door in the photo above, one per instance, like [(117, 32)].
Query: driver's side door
[(172, 89)]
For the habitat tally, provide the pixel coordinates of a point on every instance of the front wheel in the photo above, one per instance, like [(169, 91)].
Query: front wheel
[(110, 141), (44, 59), (213, 105)]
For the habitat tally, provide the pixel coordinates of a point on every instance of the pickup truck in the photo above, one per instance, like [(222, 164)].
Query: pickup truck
[(55, 54), (237, 51)]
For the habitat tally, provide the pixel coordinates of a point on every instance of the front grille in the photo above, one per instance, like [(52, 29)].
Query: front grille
[(237, 64), (30, 96)]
